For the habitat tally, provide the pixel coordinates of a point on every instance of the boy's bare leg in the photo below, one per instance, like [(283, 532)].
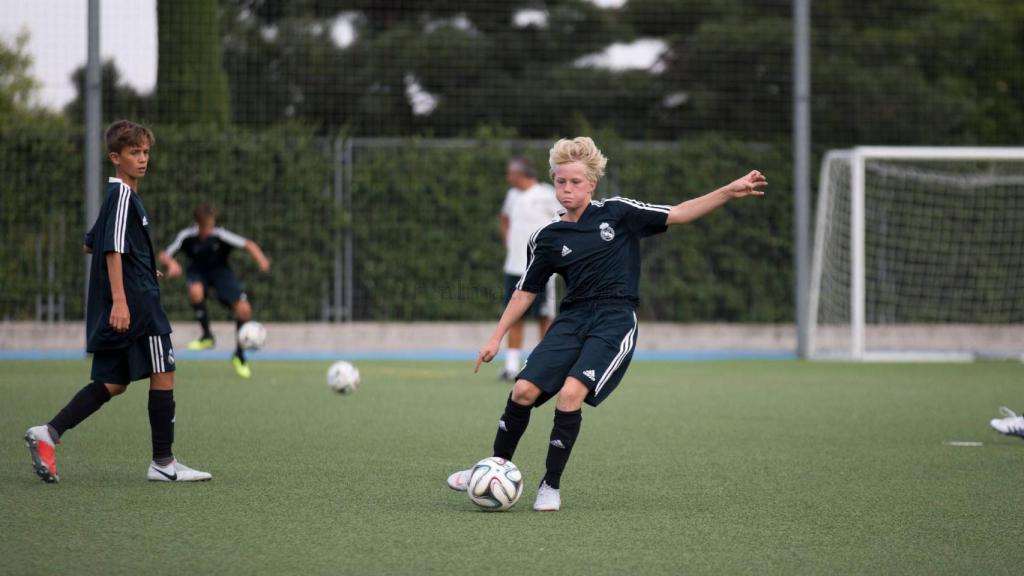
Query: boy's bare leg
[(514, 353)]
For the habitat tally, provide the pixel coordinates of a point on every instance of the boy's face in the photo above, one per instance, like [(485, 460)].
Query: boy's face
[(206, 226), (572, 186), (132, 160)]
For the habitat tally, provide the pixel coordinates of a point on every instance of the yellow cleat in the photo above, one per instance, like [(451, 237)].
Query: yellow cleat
[(201, 344), (242, 368)]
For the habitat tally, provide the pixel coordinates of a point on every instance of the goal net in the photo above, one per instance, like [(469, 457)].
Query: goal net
[(919, 254)]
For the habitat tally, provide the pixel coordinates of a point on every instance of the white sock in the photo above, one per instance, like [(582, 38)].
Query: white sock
[(512, 360)]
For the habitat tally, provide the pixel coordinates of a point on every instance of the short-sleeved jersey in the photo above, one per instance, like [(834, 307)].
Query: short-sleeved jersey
[(123, 227), (526, 211), (206, 254), (599, 255)]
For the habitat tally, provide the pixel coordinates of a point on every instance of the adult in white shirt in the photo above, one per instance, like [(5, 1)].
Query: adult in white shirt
[(529, 205)]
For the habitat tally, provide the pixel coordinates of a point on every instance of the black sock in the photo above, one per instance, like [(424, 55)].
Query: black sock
[(86, 401), (238, 345), (563, 436), (161, 424), (511, 427), (203, 317)]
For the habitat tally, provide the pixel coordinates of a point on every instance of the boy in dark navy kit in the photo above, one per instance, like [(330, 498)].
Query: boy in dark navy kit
[(595, 247), (208, 247), (127, 330)]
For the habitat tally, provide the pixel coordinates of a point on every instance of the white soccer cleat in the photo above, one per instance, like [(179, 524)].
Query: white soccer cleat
[(175, 472), (548, 499), (459, 481), (1011, 424)]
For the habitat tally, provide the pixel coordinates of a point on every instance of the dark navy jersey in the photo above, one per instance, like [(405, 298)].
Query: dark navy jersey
[(598, 256), (123, 227), (206, 254)]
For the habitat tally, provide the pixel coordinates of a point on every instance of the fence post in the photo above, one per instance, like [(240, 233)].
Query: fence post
[(349, 255), (93, 118), (336, 288)]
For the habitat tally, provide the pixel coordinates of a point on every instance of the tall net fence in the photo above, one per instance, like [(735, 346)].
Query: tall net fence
[(362, 144)]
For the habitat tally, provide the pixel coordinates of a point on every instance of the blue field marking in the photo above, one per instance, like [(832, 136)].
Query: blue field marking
[(434, 354)]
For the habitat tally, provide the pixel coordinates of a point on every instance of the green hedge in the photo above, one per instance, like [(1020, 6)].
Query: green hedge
[(269, 185), (428, 248), (423, 222)]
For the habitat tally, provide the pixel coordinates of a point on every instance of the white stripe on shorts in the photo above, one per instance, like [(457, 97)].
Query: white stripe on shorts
[(152, 355), (160, 354), (625, 347)]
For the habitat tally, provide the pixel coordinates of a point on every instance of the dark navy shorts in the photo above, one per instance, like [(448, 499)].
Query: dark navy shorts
[(142, 358), (222, 280), (543, 305), (593, 344)]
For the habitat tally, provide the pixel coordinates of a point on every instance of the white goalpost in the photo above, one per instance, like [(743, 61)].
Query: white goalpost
[(918, 254)]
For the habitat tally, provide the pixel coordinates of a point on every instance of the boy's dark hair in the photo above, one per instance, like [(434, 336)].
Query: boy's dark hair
[(523, 166), (203, 212), (124, 133)]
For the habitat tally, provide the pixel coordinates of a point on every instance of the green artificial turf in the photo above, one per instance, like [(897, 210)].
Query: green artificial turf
[(732, 467)]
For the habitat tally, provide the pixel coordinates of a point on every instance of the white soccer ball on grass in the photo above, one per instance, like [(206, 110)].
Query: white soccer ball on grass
[(495, 484), (343, 377)]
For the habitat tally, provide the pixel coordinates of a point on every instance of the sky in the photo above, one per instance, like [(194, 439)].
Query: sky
[(58, 35)]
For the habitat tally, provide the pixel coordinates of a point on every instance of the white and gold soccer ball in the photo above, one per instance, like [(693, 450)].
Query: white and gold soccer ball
[(252, 335), (342, 377), (495, 484)]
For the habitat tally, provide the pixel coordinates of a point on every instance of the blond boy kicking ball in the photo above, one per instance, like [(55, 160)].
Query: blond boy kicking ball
[(595, 247)]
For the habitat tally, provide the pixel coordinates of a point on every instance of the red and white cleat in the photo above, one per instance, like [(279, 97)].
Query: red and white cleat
[(459, 481), (40, 447)]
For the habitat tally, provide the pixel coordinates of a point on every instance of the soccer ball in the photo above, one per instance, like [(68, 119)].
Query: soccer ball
[(342, 377), (495, 484), (252, 335)]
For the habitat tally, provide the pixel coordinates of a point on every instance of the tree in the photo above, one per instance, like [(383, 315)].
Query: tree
[(120, 100), (191, 86), (16, 84)]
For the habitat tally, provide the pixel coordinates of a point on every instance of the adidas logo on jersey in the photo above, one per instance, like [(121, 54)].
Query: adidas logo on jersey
[(590, 374), (558, 444), (145, 221), (565, 250)]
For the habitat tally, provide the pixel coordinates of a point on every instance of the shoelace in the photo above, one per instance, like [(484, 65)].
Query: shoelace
[(1007, 413)]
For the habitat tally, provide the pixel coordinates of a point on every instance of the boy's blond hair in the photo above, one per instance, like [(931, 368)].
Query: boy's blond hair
[(580, 149)]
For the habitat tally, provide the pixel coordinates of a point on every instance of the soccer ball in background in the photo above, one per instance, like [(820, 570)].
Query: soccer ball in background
[(342, 377), (252, 335), (495, 484)]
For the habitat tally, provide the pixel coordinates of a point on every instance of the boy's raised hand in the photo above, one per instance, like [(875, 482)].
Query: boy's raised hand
[(749, 185)]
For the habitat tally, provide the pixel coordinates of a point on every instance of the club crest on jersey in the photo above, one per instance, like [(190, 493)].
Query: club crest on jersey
[(607, 232)]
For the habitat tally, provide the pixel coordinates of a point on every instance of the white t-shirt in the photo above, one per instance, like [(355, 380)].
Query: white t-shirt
[(527, 210)]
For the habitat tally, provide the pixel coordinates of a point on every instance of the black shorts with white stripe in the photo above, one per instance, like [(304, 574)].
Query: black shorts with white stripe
[(142, 358), (592, 343)]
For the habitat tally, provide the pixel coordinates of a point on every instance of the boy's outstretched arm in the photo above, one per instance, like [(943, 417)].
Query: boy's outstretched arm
[(254, 250), (517, 306), (120, 317), (173, 268), (750, 185)]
